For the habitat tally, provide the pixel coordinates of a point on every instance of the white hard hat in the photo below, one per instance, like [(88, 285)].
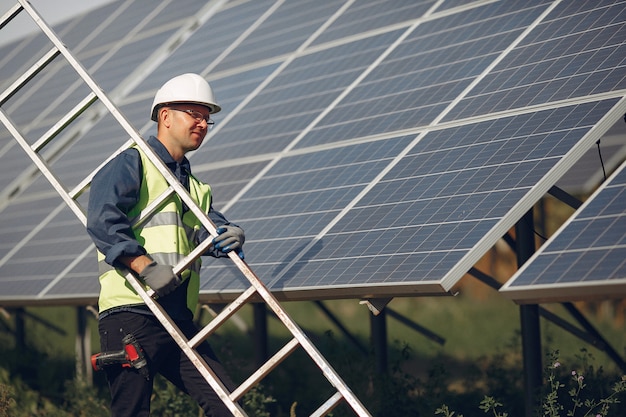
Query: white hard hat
[(186, 88)]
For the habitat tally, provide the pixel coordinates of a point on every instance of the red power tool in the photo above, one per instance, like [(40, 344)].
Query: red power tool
[(131, 356)]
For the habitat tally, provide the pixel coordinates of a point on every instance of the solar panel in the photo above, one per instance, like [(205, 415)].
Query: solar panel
[(416, 225), (586, 258), (368, 148)]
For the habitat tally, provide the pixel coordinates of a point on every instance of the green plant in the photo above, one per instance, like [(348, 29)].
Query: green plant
[(445, 410), (550, 405), (6, 400), (82, 400), (588, 395), (597, 403), (490, 404), (255, 402), (168, 401)]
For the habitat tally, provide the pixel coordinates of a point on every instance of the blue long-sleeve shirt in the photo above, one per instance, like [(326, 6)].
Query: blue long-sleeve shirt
[(115, 191)]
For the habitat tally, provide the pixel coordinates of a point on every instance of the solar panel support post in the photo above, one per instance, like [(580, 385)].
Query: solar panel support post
[(83, 347), (260, 333), (256, 288), (20, 329), (529, 320), (378, 328)]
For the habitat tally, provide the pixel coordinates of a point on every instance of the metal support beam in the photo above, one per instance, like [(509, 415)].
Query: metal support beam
[(411, 324), (529, 318), (83, 347), (260, 334), (344, 330), (378, 327), (565, 197), (602, 344), (589, 334), (20, 330)]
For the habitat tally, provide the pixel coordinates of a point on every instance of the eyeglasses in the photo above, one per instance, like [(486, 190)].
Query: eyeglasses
[(198, 116)]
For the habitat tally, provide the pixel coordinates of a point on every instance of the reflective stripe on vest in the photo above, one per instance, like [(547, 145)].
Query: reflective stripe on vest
[(166, 236)]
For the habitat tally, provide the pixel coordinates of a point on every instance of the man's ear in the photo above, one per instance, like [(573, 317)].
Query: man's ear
[(164, 117)]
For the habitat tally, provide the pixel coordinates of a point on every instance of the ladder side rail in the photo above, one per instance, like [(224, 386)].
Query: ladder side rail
[(256, 282), (10, 14), (43, 168), (125, 124), (140, 142), (265, 369), (28, 75)]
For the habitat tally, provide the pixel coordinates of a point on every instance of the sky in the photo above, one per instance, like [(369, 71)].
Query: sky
[(52, 12)]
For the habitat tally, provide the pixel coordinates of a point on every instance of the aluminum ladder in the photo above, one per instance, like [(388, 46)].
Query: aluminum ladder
[(257, 288)]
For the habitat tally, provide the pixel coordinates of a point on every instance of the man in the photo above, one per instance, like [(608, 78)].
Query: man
[(118, 194)]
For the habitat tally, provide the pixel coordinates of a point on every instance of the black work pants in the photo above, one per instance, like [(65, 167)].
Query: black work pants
[(131, 392)]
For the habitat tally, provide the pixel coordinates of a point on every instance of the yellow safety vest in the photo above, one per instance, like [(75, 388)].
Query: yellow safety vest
[(166, 236)]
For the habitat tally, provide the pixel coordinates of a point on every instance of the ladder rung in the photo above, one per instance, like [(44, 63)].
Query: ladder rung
[(29, 75), (64, 122), (150, 208), (224, 315), (267, 367), (188, 260), (10, 15), (328, 405)]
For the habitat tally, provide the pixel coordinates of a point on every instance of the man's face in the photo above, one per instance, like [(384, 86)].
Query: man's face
[(188, 125)]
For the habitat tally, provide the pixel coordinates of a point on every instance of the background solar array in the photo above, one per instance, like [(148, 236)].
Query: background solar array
[(588, 255), (368, 148)]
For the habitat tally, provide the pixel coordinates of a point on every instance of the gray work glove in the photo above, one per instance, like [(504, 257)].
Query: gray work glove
[(229, 238), (161, 278)]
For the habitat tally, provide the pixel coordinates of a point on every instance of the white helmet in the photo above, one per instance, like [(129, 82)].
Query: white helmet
[(186, 88)]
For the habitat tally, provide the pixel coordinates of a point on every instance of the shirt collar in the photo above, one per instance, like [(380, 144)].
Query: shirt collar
[(165, 156)]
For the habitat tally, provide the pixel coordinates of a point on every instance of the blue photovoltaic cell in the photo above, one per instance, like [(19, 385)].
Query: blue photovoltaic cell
[(39, 261), (421, 77), (206, 44), (372, 15), (279, 113), (304, 188), (282, 33), (578, 50), (590, 249)]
